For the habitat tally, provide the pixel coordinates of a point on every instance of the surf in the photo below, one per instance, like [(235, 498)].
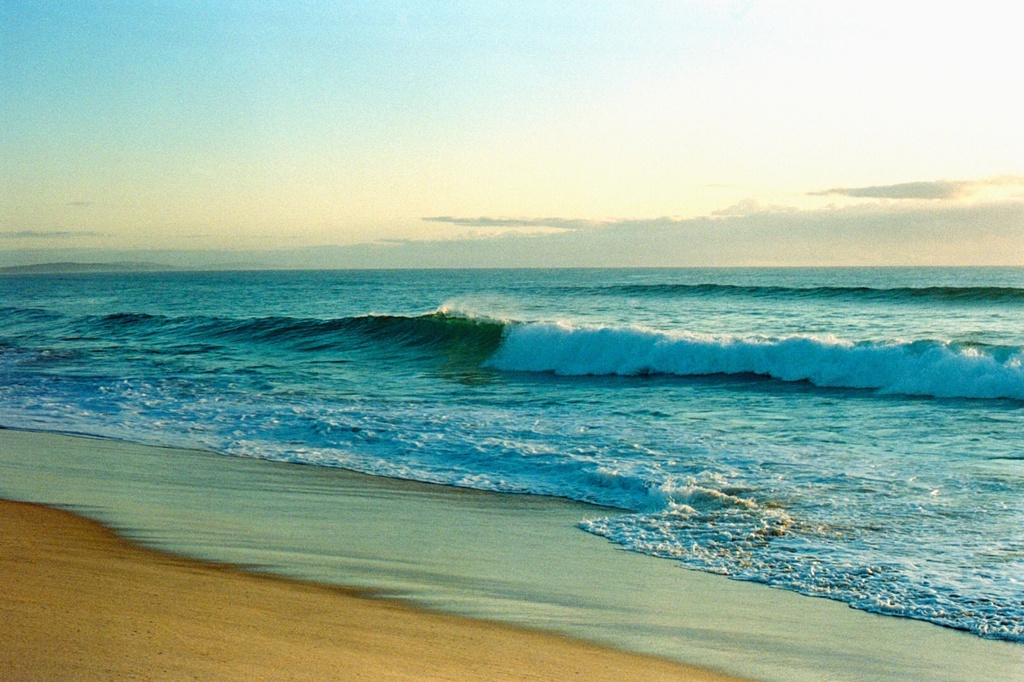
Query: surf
[(933, 368)]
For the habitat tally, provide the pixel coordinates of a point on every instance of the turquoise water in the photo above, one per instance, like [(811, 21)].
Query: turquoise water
[(848, 433)]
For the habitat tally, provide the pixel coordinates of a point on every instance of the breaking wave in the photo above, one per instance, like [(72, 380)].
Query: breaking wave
[(924, 368), (936, 368)]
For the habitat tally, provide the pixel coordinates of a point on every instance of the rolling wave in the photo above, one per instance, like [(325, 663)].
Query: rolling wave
[(918, 368), (925, 368), (936, 294), (438, 330)]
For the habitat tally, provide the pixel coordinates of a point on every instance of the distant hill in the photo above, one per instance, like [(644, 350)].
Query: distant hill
[(77, 268)]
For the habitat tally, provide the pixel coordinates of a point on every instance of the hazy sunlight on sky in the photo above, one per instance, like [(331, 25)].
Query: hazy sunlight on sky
[(593, 133)]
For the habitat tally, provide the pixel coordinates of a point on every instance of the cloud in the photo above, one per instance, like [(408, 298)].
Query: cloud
[(743, 208), (934, 189), (557, 224), (875, 234), (48, 234), (506, 223), (750, 207)]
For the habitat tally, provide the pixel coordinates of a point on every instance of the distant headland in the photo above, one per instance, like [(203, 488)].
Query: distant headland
[(68, 268)]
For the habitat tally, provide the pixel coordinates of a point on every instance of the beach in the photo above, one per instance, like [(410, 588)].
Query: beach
[(81, 603), (687, 331), (84, 596)]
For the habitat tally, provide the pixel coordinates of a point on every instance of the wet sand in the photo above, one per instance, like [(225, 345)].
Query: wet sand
[(81, 603), (416, 548)]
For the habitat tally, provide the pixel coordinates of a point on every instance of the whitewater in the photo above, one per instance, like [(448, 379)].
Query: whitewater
[(852, 434), (932, 368)]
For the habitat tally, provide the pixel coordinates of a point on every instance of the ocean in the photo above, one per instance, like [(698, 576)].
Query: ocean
[(849, 433)]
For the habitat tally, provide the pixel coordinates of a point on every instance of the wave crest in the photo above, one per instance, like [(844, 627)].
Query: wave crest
[(440, 328), (926, 368)]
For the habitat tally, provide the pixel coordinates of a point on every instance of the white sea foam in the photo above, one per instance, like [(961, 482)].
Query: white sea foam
[(929, 368)]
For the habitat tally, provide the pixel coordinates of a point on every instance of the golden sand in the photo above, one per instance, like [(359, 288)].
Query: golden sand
[(79, 603)]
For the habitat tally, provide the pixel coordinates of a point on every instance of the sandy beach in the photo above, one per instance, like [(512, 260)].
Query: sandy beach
[(349, 575), (81, 603)]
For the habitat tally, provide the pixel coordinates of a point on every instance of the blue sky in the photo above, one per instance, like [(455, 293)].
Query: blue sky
[(262, 127)]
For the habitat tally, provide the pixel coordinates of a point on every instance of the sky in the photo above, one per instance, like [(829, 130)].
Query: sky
[(340, 134)]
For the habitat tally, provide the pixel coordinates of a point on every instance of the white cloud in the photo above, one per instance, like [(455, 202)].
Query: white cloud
[(751, 206), (934, 189)]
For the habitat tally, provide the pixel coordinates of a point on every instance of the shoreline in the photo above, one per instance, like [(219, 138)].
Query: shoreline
[(512, 559), (82, 603)]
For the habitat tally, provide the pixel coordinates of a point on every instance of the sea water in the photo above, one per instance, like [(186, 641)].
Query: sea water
[(856, 434)]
